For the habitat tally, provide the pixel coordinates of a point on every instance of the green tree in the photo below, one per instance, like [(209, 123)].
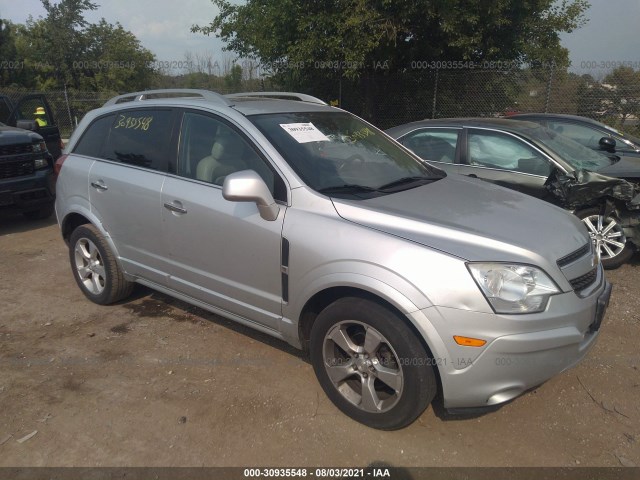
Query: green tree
[(63, 49), (114, 60), (623, 92), (360, 50), (360, 34), (12, 64), (59, 38), (233, 79)]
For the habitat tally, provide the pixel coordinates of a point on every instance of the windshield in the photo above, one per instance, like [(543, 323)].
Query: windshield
[(576, 155), (628, 139), (336, 153)]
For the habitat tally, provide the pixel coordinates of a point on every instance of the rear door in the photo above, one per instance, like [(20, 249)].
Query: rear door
[(27, 108), (507, 160), (125, 187)]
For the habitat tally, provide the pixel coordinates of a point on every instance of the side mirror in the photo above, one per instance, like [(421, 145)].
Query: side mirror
[(27, 125), (607, 144), (248, 186)]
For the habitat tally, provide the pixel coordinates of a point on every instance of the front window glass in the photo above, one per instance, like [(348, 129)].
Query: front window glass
[(338, 154), (576, 155), (504, 152), (589, 137), (210, 150)]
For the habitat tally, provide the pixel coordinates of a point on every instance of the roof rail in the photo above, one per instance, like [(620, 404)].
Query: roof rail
[(302, 97), (169, 93)]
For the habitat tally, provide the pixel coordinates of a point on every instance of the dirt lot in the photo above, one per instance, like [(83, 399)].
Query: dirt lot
[(155, 382)]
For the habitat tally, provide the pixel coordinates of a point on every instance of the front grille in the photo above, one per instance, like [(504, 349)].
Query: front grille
[(16, 168), (7, 150), (585, 281), (573, 256)]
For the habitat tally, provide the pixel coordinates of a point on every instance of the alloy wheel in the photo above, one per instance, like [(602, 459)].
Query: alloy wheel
[(90, 266), (363, 366)]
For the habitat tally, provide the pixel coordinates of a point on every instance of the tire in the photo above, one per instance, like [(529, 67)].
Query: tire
[(364, 344), (615, 250), (95, 268), (41, 213)]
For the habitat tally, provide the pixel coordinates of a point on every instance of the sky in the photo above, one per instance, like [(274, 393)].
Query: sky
[(163, 26)]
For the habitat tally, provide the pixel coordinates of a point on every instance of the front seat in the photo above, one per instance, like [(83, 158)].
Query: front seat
[(225, 159)]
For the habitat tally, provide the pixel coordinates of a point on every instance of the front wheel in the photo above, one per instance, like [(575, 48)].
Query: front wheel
[(95, 268), (371, 364), (607, 236)]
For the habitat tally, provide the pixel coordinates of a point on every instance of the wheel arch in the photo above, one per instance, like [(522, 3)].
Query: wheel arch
[(76, 218), (325, 297), (70, 223)]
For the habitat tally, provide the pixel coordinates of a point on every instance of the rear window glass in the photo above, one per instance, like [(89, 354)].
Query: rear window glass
[(141, 138)]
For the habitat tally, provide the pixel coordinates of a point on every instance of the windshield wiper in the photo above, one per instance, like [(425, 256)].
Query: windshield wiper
[(408, 180), (348, 188)]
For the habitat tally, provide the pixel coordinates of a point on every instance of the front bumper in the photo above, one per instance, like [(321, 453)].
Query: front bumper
[(29, 192), (513, 362)]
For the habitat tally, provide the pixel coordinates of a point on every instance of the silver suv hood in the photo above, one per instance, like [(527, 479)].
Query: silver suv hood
[(472, 219)]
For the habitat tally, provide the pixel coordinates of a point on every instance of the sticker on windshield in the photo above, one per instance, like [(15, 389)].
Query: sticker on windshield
[(304, 132)]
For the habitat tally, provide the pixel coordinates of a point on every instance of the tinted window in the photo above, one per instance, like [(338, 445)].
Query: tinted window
[(437, 145), (141, 138), (210, 149), (91, 142), (497, 150)]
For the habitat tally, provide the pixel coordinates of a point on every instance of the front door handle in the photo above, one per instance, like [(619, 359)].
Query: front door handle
[(175, 207), (99, 185), (472, 175)]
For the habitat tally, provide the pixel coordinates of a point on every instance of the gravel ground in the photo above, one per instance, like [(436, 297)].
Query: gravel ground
[(155, 382)]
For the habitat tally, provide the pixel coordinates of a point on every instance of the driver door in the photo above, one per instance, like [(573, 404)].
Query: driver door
[(506, 160), (221, 252), (25, 110)]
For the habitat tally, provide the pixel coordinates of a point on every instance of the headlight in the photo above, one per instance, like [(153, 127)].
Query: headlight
[(39, 147), (513, 288)]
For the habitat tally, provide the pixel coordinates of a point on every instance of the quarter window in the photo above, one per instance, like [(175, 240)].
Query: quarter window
[(497, 150), (93, 138)]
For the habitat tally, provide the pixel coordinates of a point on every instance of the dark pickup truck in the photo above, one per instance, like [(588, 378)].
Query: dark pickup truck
[(27, 154)]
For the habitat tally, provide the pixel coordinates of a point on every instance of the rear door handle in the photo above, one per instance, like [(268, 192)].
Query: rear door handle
[(99, 185), (175, 207)]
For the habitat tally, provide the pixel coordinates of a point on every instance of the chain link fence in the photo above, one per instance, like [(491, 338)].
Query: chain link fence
[(393, 99)]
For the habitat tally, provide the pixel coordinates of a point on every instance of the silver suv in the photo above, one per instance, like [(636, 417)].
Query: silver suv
[(309, 224)]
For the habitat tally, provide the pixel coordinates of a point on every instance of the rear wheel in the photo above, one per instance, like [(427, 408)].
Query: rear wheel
[(607, 236), (371, 364), (95, 268)]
